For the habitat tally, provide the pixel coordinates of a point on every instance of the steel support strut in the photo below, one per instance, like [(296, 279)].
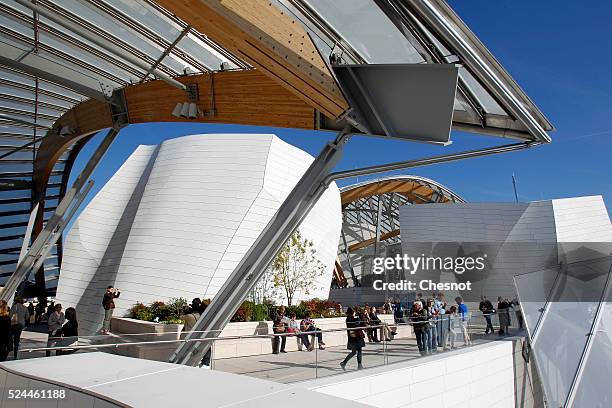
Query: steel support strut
[(254, 263)]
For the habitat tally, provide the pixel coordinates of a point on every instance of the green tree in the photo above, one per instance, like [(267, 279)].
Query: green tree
[(296, 269)]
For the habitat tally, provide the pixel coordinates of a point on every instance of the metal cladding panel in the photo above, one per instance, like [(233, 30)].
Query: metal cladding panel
[(403, 101)]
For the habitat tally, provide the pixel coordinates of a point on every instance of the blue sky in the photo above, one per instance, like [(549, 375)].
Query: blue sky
[(557, 51)]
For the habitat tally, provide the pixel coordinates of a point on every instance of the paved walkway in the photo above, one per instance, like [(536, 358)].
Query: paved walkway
[(304, 365)]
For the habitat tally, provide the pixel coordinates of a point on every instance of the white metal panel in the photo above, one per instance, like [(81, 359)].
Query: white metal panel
[(182, 218)]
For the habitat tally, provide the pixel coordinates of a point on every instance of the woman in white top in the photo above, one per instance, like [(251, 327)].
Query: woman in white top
[(55, 322)]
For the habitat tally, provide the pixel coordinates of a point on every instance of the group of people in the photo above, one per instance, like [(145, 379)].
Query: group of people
[(504, 306), (436, 324), (285, 326), (12, 322), (14, 319), (62, 327)]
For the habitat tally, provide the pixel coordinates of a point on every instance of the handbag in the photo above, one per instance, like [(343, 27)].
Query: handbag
[(357, 334)]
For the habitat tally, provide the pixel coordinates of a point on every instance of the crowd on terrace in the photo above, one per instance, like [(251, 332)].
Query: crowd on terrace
[(436, 323)]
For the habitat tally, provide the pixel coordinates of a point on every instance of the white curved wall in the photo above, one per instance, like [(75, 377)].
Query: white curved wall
[(177, 218)]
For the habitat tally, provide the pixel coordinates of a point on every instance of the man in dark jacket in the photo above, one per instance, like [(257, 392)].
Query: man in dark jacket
[(486, 307), (108, 302), (419, 319)]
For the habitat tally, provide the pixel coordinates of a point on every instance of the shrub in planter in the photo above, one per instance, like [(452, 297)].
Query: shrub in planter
[(175, 309), (145, 314), (135, 310), (260, 313), (299, 310), (159, 310), (243, 314), (325, 308)]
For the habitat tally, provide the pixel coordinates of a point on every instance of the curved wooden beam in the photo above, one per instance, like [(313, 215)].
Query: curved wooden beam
[(240, 97), (411, 189), (372, 241)]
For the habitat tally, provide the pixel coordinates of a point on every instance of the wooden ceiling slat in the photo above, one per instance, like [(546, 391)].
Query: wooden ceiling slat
[(269, 39)]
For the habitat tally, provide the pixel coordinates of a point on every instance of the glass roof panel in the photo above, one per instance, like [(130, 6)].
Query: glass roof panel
[(484, 98), (7, 73), (109, 25), (27, 107), (143, 13), (363, 25), (16, 92), (88, 64), (59, 90), (320, 36), (16, 26), (194, 47), (87, 57)]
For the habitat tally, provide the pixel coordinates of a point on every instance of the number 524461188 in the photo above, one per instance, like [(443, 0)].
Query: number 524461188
[(36, 394)]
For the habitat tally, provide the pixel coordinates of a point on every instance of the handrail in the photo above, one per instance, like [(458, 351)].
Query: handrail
[(440, 318), (97, 336)]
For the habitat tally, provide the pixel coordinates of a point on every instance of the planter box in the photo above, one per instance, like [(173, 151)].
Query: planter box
[(150, 330), (228, 348)]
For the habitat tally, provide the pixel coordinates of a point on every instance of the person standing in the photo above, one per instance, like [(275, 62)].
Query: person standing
[(5, 331), (418, 317), (40, 310), (55, 323), (433, 314), (356, 338), (108, 302), (454, 325), (31, 312), (279, 326), (69, 331), (462, 311), (50, 309), (398, 312), (503, 311), (516, 305), (190, 316), (420, 298), (19, 316), (486, 307)]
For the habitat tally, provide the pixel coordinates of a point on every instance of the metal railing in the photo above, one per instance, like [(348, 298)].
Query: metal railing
[(384, 352)]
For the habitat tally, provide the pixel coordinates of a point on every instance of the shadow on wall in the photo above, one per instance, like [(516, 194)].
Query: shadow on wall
[(106, 273)]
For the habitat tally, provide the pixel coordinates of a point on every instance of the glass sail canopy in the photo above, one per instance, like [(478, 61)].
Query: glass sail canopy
[(355, 31), (389, 31)]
